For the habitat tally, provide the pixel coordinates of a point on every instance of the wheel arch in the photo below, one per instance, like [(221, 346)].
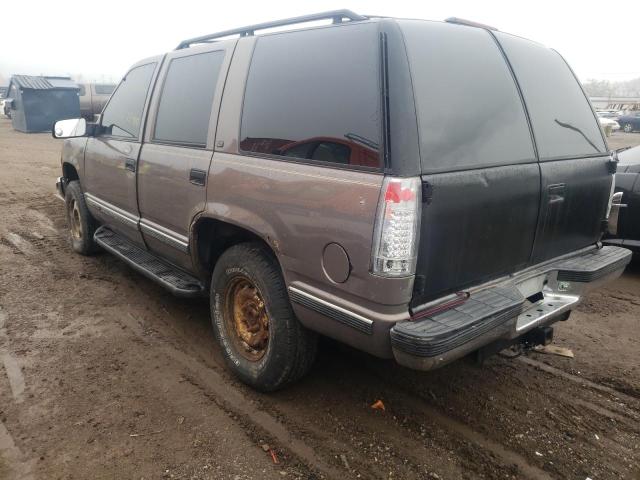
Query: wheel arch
[(70, 172), (210, 237)]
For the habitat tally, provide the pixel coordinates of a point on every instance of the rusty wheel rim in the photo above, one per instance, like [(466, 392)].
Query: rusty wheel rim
[(246, 318), (74, 220)]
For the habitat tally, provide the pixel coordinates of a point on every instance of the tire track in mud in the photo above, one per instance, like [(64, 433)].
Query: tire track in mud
[(485, 451), (233, 400), (20, 468), (576, 379), (421, 409)]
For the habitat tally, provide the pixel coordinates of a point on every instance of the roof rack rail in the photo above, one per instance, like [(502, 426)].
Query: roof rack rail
[(469, 23), (336, 15)]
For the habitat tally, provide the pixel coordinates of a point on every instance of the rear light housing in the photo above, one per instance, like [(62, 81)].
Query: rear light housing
[(397, 228)]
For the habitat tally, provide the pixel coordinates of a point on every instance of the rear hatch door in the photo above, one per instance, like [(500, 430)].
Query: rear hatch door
[(574, 159), (477, 157), (513, 160)]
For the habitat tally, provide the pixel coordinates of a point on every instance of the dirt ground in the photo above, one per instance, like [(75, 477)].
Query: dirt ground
[(105, 375)]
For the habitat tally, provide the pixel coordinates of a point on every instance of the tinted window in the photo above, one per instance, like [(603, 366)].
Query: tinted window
[(314, 95), (123, 115), (187, 98), (332, 152), (104, 89), (562, 120), (469, 111)]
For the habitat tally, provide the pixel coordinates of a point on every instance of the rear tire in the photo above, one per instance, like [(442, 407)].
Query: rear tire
[(80, 222), (263, 342), (628, 128)]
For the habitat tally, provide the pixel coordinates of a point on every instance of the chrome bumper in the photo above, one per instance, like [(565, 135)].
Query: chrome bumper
[(506, 309)]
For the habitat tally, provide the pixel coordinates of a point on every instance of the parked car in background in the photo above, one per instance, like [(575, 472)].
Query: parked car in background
[(614, 114), (93, 98), (630, 122), (624, 220), (608, 124), (322, 180)]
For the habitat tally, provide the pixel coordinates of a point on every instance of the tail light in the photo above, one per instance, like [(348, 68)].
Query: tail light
[(397, 226)]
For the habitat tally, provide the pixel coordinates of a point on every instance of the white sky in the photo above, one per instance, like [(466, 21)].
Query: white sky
[(101, 39)]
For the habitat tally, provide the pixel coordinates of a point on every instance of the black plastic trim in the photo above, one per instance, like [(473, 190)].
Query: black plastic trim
[(332, 312), (595, 265), (179, 283), (453, 328)]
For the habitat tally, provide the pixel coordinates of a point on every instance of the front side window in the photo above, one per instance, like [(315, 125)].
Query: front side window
[(314, 95), (562, 120), (123, 115), (187, 99)]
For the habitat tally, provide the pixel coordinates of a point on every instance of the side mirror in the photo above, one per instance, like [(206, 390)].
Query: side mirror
[(71, 128)]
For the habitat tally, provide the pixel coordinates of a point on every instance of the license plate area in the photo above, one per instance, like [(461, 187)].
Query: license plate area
[(550, 305)]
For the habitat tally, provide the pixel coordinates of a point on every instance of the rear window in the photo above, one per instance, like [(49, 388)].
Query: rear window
[(314, 96), (470, 114), (562, 120)]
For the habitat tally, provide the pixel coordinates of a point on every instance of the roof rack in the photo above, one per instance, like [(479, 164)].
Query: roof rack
[(469, 23), (336, 15)]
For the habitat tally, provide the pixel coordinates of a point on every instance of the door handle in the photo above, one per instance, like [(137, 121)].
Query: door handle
[(197, 177), (130, 164)]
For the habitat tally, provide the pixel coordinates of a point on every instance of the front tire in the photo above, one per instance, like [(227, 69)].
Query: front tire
[(628, 128), (263, 342), (80, 222)]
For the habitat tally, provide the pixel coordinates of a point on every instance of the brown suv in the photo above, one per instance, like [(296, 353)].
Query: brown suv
[(418, 190)]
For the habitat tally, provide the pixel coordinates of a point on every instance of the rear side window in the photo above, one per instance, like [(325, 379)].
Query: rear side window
[(314, 95), (187, 99), (470, 114), (123, 115), (562, 120)]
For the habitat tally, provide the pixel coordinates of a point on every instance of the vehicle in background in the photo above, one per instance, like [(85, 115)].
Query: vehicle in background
[(614, 114), (630, 122), (624, 219), (93, 98), (608, 125), (322, 180)]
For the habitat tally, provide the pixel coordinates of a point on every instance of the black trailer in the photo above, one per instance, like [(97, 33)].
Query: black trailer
[(35, 103)]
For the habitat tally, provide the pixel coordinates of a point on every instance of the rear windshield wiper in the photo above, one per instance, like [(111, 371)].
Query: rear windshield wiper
[(576, 129)]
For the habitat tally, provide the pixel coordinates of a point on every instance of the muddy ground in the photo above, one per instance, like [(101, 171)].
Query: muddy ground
[(105, 375)]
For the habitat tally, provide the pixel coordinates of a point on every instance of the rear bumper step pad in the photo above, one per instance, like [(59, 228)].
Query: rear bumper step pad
[(593, 265), (178, 282), (450, 329), (500, 311)]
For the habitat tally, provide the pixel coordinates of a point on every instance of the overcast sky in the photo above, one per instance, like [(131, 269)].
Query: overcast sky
[(100, 39)]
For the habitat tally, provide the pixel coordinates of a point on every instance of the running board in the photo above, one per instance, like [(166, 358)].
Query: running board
[(179, 283)]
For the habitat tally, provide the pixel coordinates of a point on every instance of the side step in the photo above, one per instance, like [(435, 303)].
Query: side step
[(176, 281)]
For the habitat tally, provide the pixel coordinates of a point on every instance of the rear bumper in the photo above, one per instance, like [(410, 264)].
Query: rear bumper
[(506, 309)]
